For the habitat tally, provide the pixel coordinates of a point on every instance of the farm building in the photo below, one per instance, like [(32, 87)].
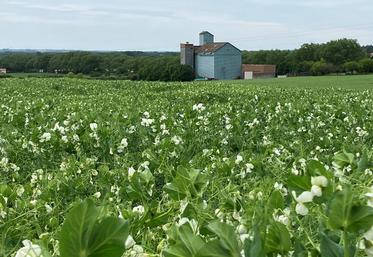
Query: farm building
[(212, 60), (253, 71), (2, 71), (371, 55)]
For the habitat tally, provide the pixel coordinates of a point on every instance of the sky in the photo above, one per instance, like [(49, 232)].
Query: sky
[(161, 25)]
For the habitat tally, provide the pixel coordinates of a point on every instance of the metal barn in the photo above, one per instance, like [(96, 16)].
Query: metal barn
[(212, 60)]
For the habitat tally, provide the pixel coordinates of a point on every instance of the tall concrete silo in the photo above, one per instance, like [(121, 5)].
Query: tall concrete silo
[(187, 54), (205, 37)]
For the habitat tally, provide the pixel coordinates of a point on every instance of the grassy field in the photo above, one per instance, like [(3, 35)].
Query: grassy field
[(278, 167), (346, 82)]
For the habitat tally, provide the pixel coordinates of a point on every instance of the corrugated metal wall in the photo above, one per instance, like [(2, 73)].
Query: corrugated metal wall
[(228, 61), (204, 66), (206, 38)]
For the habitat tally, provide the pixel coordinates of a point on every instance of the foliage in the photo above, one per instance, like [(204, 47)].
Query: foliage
[(210, 168), (315, 59), (85, 234)]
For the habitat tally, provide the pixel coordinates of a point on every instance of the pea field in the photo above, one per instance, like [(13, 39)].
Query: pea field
[(95, 168)]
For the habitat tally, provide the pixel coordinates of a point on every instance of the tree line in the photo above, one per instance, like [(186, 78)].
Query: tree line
[(343, 55), (117, 65)]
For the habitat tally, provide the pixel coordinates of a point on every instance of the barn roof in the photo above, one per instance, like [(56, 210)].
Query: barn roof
[(210, 47)]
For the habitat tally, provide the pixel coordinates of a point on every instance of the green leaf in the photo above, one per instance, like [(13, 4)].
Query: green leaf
[(278, 238), (84, 234), (364, 163), (276, 201), (299, 183), (345, 215), (108, 237), (299, 250), (339, 209), (344, 158), (315, 168), (227, 237), (214, 248), (329, 248), (254, 248), (361, 219), (158, 220), (188, 244), (187, 182)]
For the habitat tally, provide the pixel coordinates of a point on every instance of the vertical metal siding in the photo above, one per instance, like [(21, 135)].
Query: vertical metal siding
[(206, 38), (228, 61), (204, 66)]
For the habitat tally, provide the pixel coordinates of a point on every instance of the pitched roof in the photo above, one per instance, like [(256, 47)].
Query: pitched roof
[(209, 48), (205, 32)]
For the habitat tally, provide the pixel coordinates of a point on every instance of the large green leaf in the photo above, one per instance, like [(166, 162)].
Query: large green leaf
[(187, 243), (299, 183), (344, 158), (315, 168), (227, 236), (278, 239), (276, 201), (339, 209), (329, 248), (187, 182), (361, 219), (84, 234), (299, 250), (254, 248), (214, 248)]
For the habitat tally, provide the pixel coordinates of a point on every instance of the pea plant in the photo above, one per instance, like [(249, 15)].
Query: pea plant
[(206, 169)]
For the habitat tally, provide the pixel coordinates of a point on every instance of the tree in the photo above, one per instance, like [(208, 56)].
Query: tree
[(352, 67), (366, 65), (321, 68), (341, 51)]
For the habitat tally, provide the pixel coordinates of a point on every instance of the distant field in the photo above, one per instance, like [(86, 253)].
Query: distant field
[(347, 82), (210, 168)]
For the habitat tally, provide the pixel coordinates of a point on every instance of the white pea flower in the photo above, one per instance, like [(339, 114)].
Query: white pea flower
[(29, 250), (20, 190), (45, 137), (176, 140), (137, 251), (301, 209), (370, 196), (93, 126), (48, 208), (320, 181), (97, 195), (199, 107), (64, 139), (369, 234), (130, 242), (124, 142), (316, 191), (131, 172), (284, 220), (249, 167), (305, 197), (219, 214), (239, 159), (139, 209)]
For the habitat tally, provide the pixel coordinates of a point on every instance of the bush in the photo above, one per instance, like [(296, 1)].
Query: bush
[(352, 67), (366, 65), (322, 68)]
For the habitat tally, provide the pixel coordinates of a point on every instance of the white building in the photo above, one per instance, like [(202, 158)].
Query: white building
[(212, 60)]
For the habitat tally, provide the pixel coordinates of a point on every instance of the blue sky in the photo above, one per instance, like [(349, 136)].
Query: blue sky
[(163, 24)]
